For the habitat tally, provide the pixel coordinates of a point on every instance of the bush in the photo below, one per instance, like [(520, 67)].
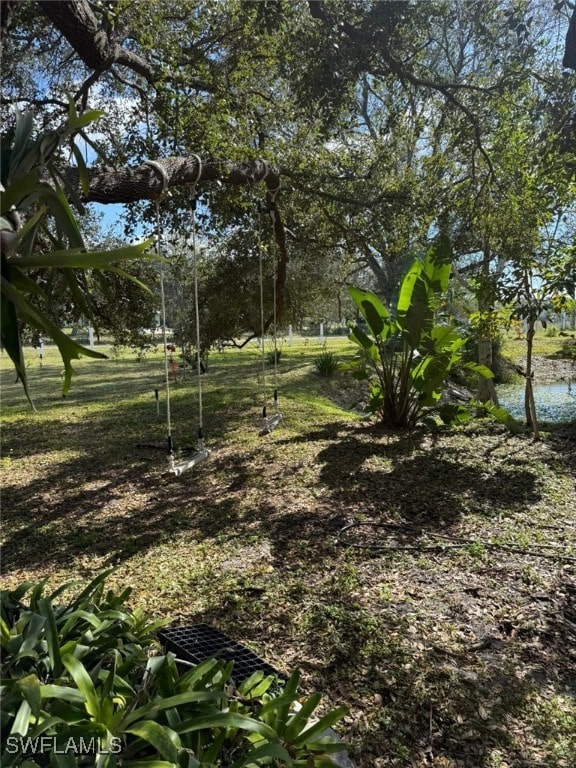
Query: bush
[(273, 357), (326, 364), (81, 686)]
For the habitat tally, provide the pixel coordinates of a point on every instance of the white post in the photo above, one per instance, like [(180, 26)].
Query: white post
[(289, 335), (563, 320), (90, 336), (321, 333)]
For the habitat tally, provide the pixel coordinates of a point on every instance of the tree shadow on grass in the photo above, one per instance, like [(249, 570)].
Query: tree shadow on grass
[(390, 475), (411, 699)]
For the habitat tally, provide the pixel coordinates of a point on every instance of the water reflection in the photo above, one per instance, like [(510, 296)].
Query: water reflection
[(555, 402)]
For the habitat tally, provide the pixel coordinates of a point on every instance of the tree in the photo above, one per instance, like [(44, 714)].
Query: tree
[(386, 79)]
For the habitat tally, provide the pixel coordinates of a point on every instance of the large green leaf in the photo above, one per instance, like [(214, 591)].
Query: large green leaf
[(481, 370), (163, 739), (84, 683), (330, 719), (265, 752), (10, 330), (22, 719), (76, 121), (228, 720), (62, 693), (413, 312), (78, 258), (29, 686), (52, 637), (33, 633), (18, 190), (151, 709), (370, 306), (362, 339), (69, 349), (438, 264), (426, 279)]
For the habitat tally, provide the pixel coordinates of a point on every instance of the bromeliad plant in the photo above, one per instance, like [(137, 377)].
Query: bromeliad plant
[(405, 355), (40, 236), (81, 687)]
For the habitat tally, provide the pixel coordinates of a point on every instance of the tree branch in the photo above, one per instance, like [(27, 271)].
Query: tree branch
[(143, 182), (76, 21)]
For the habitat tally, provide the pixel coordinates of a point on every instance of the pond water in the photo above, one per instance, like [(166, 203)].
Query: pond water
[(555, 402)]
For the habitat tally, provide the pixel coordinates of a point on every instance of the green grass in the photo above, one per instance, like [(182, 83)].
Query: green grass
[(465, 655)]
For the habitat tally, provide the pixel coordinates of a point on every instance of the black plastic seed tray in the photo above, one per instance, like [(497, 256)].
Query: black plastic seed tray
[(200, 642)]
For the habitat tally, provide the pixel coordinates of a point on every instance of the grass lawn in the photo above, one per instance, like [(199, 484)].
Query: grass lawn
[(453, 656)]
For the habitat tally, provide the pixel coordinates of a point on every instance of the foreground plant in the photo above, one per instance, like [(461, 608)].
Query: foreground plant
[(41, 239), (80, 687), (405, 355)]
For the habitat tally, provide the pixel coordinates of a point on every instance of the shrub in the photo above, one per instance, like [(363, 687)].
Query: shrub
[(81, 680), (326, 363), (273, 356)]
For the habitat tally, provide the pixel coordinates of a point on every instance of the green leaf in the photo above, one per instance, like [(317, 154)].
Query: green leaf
[(62, 693), (482, 370), (499, 413), (228, 720), (69, 349), (33, 633), (23, 283), (273, 751), (22, 719), (82, 169), (373, 317), (162, 738), (452, 413), (18, 190), (10, 330), (300, 719), (64, 218), (330, 719), (256, 685), (77, 258), (52, 638), (359, 337), (151, 709), (76, 121), (87, 595), (84, 684)]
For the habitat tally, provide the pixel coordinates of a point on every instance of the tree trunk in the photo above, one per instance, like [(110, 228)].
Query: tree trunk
[(529, 404), (486, 388)]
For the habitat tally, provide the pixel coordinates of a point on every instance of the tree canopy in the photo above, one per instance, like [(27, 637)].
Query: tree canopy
[(371, 125)]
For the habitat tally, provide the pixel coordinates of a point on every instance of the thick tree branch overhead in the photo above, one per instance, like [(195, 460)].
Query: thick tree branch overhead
[(93, 44), (143, 182)]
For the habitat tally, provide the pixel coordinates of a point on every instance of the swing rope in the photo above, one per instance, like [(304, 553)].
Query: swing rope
[(193, 201), (201, 453), (164, 178), (269, 422), (273, 195)]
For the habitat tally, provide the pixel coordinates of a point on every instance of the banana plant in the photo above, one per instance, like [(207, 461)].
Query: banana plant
[(405, 355), (39, 232)]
